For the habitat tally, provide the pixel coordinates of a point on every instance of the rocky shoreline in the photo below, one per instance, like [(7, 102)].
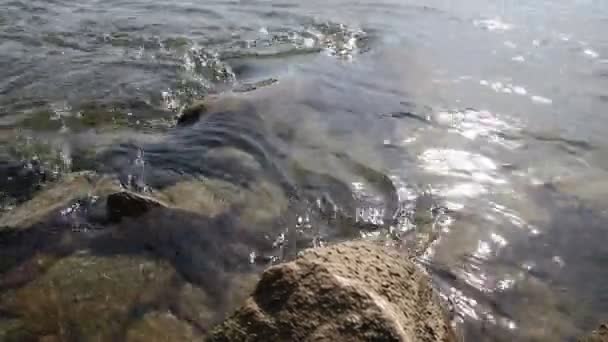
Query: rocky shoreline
[(371, 292), (90, 259), (158, 270), (151, 274)]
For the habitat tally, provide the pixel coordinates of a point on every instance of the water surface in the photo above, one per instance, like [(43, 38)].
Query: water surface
[(487, 117)]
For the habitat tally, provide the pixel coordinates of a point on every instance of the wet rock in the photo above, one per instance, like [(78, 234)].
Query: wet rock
[(235, 156), (215, 104), (84, 297), (42, 120), (354, 291), (89, 115), (599, 335), (163, 327), (128, 204), (247, 87), (192, 114), (50, 201), (259, 203)]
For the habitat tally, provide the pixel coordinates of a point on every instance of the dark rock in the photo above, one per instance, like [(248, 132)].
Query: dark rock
[(247, 87), (600, 335), (192, 114), (355, 291), (128, 204)]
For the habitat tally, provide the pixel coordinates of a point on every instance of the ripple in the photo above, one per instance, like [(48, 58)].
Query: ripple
[(495, 24), (473, 124), (334, 39), (462, 164), (541, 100), (591, 53)]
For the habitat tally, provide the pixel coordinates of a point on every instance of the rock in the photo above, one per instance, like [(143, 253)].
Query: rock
[(259, 203), (159, 327), (57, 196), (247, 87), (600, 335), (355, 291), (85, 297), (192, 114), (128, 204), (214, 104)]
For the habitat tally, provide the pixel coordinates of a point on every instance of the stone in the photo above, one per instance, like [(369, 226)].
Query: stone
[(599, 335), (354, 291), (55, 197), (84, 297), (260, 203), (214, 104), (129, 204), (159, 327), (192, 114)]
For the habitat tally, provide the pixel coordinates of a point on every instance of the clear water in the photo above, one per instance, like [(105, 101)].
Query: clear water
[(495, 110)]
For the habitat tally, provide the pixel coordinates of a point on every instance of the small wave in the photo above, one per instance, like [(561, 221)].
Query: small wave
[(541, 100), (335, 39), (495, 24), (461, 164), (591, 53), (473, 124)]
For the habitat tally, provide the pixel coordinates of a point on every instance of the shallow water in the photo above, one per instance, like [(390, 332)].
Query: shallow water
[(490, 116)]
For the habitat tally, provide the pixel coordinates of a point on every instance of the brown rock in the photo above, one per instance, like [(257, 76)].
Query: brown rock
[(192, 114), (356, 291), (57, 196), (600, 335), (127, 204)]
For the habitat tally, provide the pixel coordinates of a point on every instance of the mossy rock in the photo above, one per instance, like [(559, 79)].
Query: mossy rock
[(86, 116), (85, 297), (42, 120), (161, 327), (176, 43), (57, 196), (95, 115), (260, 203)]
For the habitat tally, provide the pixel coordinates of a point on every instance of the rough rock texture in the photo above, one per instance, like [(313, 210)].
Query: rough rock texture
[(600, 335), (355, 291)]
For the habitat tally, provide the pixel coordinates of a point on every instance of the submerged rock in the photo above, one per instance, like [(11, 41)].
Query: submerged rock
[(192, 114), (84, 298), (258, 204), (600, 335), (159, 326), (128, 204), (214, 104), (50, 201), (353, 291)]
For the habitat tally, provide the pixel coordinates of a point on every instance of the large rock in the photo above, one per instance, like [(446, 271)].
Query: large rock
[(355, 291)]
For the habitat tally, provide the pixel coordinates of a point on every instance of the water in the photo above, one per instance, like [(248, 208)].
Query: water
[(490, 113)]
